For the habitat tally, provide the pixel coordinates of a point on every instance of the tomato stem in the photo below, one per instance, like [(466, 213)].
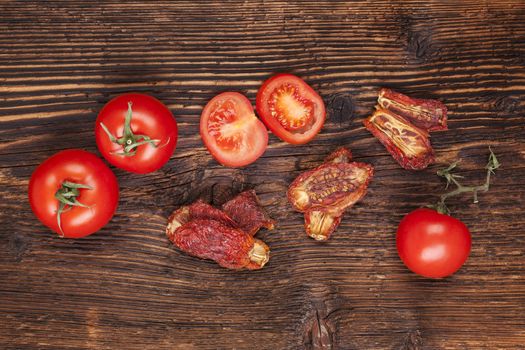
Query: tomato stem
[(67, 197), (492, 165), (130, 141)]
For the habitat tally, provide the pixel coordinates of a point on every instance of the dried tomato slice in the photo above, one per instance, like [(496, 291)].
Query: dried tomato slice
[(178, 218), (197, 210), (426, 114), (324, 193), (229, 247), (247, 213), (203, 210), (340, 155), (409, 145), (320, 223), (336, 185), (201, 230)]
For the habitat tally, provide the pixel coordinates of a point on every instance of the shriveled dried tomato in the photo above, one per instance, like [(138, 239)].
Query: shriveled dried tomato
[(206, 232), (229, 247), (429, 115), (324, 193), (409, 145), (197, 210), (402, 124), (247, 213), (340, 155), (320, 223)]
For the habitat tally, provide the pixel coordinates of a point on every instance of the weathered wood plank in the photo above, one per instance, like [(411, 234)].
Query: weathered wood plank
[(128, 288)]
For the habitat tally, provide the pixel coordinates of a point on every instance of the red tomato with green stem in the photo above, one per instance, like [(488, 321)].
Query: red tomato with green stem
[(432, 244), (73, 193), (230, 130), (290, 108), (136, 132)]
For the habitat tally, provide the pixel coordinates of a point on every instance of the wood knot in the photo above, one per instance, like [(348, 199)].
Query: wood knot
[(217, 190), (418, 38), (340, 108), (318, 335), (413, 341), (508, 104), (17, 246), (221, 192), (420, 45)]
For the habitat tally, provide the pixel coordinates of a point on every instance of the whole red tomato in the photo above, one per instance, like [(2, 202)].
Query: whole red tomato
[(136, 132), (73, 193), (432, 244)]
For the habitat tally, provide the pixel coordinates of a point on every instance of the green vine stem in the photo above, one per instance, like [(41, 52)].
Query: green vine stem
[(67, 197), (129, 141), (441, 207)]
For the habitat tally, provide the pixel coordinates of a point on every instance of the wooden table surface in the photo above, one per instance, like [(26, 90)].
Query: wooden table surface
[(127, 287)]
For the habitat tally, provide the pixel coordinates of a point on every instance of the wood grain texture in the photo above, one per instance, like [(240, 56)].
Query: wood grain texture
[(126, 287)]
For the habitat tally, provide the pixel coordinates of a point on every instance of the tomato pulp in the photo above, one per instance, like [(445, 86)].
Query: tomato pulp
[(77, 177), (230, 130), (290, 108), (432, 244)]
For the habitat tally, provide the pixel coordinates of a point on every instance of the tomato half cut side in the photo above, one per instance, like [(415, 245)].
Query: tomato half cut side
[(230, 130), (290, 108)]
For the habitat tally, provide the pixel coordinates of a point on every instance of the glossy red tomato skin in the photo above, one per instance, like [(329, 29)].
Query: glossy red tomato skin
[(432, 244), (262, 107), (257, 133), (77, 166), (150, 117)]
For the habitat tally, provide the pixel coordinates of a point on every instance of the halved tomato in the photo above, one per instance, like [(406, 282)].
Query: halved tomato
[(230, 130), (290, 108)]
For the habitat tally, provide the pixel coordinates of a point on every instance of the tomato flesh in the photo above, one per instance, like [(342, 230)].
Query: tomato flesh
[(293, 111), (432, 244), (290, 108), (224, 126), (231, 131)]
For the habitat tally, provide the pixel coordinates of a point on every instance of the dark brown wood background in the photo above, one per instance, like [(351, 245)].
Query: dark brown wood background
[(126, 287)]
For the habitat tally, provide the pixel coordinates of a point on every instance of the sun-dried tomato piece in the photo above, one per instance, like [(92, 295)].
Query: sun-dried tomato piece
[(201, 230), (330, 185), (197, 210), (228, 246), (203, 210), (324, 193), (178, 218), (247, 213), (426, 114), (409, 145), (320, 222), (340, 155)]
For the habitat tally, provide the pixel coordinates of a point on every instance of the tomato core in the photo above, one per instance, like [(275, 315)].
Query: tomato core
[(293, 111)]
